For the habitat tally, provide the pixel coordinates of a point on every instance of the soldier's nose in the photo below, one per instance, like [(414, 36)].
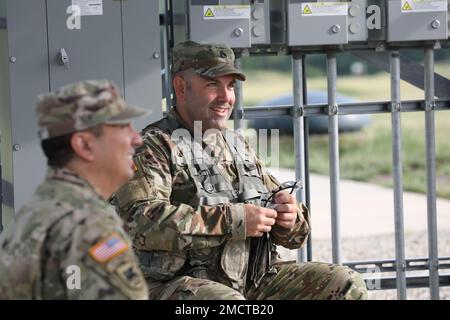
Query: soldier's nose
[(136, 139)]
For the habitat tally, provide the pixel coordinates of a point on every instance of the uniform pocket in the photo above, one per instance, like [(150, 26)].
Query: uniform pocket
[(160, 265)]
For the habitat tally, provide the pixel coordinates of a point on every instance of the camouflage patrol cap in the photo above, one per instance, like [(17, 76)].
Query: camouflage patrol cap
[(210, 60), (82, 105)]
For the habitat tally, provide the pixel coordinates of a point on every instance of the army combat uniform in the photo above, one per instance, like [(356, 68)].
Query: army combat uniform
[(186, 218), (68, 224), (68, 242)]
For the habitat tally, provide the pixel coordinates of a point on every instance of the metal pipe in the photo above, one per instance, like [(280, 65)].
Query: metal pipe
[(333, 133), (314, 110), (299, 139), (306, 157), (1, 190), (166, 59), (431, 174), (238, 109), (397, 174)]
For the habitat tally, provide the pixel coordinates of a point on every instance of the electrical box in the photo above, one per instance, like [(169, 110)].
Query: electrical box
[(114, 40), (109, 44), (218, 21), (317, 23), (413, 20)]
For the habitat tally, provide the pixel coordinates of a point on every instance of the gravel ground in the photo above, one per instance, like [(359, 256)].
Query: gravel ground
[(382, 247)]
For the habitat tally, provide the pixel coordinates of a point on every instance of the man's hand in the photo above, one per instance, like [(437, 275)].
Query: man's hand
[(259, 220), (286, 207)]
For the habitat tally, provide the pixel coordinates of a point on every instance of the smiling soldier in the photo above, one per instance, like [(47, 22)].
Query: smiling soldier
[(196, 217), (67, 242)]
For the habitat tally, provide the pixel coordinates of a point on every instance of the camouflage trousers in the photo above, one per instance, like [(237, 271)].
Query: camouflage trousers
[(292, 281)]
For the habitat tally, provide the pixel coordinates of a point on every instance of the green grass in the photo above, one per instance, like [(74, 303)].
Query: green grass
[(263, 85), (366, 155)]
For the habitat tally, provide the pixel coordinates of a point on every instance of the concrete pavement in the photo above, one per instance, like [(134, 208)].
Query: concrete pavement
[(366, 209)]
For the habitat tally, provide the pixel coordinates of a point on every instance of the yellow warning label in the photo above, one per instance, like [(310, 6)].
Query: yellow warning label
[(324, 9), (406, 6), (307, 10), (209, 13)]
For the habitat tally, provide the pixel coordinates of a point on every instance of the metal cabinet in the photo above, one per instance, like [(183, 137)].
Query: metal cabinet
[(119, 41), (213, 21), (93, 51), (317, 23), (413, 20)]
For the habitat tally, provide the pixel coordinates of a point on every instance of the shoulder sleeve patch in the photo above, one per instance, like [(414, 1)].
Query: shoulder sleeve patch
[(108, 248)]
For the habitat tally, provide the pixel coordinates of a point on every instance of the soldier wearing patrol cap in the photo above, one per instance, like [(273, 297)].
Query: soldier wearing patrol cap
[(67, 242), (194, 208)]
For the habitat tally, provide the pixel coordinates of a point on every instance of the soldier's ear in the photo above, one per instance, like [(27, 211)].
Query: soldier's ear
[(180, 86), (81, 143)]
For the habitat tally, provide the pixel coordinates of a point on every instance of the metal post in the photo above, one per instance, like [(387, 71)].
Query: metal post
[(431, 174), (1, 190), (238, 109), (166, 45), (333, 131), (397, 174), (306, 157), (299, 139)]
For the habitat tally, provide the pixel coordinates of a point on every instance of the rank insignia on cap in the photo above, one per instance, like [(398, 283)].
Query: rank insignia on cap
[(108, 248)]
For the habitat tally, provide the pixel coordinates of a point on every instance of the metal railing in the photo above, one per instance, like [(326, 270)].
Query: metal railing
[(396, 107)]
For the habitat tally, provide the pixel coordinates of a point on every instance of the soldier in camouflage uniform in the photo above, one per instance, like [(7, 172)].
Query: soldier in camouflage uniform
[(194, 207), (68, 242)]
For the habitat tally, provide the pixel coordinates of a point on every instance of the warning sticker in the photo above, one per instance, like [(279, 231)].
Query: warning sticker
[(410, 6), (89, 7), (226, 12), (324, 9), (307, 10)]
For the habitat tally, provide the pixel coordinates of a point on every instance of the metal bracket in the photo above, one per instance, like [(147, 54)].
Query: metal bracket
[(395, 107), (430, 106), (333, 110), (433, 265), (238, 114), (402, 266), (298, 111)]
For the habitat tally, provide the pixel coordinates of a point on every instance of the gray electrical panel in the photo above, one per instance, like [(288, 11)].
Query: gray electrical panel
[(115, 40), (27, 75), (317, 23), (213, 21), (413, 20), (102, 32)]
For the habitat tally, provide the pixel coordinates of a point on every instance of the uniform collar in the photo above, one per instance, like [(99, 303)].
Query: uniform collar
[(173, 114), (70, 177)]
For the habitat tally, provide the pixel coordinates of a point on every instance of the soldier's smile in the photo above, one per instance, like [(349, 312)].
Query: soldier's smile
[(221, 112)]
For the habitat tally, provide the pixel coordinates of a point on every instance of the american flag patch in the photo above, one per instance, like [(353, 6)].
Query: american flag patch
[(108, 248)]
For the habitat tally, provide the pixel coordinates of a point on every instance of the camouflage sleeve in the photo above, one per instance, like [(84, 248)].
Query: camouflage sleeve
[(98, 263), (154, 221), (291, 239)]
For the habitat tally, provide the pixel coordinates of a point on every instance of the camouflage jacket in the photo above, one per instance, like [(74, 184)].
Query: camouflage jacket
[(68, 243), (162, 216)]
